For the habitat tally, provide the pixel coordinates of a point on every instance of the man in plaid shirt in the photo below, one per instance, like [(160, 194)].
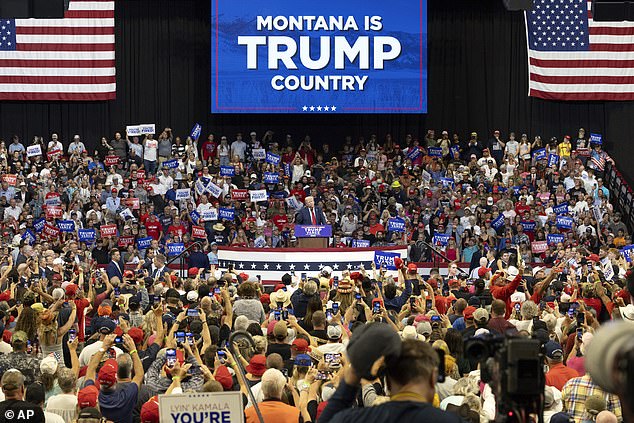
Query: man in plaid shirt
[(578, 389)]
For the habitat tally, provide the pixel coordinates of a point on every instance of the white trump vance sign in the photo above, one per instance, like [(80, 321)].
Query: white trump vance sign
[(206, 407)]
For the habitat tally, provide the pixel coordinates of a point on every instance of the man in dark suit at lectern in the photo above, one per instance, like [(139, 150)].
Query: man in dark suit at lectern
[(310, 215)]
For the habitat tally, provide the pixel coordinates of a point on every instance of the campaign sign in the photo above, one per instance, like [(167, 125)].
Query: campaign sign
[(66, 225), (313, 231), (294, 203), (258, 195), (498, 222), (10, 179), (284, 56), (124, 241), (199, 232), (175, 248), (258, 153), (144, 243), (111, 160), (195, 216), (227, 171), (414, 153), (226, 213), (183, 193), (628, 252), (239, 194), (561, 208), (554, 239), (538, 247), (214, 189), (34, 150), (396, 225), (51, 231), (564, 222), (209, 215), (434, 152), (196, 131), (385, 259), (87, 235), (54, 212), (212, 407), (170, 164), (38, 224), (553, 160), (28, 236), (273, 158), (271, 178), (528, 226), (441, 239), (596, 139), (360, 243), (108, 230), (539, 154)]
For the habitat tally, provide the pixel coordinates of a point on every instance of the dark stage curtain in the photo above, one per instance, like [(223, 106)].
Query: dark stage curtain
[(477, 81)]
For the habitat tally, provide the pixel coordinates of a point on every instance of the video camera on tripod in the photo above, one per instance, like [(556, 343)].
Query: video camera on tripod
[(514, 368)]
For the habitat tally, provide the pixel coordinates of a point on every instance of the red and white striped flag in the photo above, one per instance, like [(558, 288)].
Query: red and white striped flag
[(573, 57), (60, 59)]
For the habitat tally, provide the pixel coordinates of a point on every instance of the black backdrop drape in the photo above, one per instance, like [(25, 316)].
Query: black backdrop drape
[(477, 81)]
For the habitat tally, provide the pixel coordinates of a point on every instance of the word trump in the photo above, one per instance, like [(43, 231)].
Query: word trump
[(317, 53)]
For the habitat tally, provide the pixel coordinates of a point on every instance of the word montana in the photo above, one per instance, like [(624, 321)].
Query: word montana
[(315, 23)]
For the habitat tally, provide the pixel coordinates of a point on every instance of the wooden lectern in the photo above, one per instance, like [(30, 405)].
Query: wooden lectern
[(312, 242)]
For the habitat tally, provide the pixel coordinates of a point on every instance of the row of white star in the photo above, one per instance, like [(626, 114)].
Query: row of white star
[(292, 266), (319, 108)]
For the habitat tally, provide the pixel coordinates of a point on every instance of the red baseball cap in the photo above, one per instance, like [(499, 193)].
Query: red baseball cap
[(593, 257), (136, 334), (257, 365), (468, 312), (108, 373), (87, 397), (278, 287), (483, 271), (150, 411), (433, 283), (193, 271), (265, 299), (412, 268), (224, 377), (71, 289), (300, 345)]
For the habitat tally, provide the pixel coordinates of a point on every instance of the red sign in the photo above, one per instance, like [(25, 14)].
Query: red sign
[(54, 212), (51, 231), (111, 160), (239, 194), (132, 203), (583, 152), (124, 241), (10, 179), (199, 232), (108, 230), (538, 247), (54, 154), (140, 174)]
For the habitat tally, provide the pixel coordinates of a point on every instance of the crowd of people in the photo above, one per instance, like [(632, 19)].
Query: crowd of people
[(95, 324)]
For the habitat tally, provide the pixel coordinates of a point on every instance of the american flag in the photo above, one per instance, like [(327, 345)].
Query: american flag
[(70, 58), (572, 57)]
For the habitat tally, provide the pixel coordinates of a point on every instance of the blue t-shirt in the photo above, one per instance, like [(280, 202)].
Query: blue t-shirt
[(118, 405)]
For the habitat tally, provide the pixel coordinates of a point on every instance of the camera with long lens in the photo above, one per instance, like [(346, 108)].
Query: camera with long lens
[(514, 368)]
